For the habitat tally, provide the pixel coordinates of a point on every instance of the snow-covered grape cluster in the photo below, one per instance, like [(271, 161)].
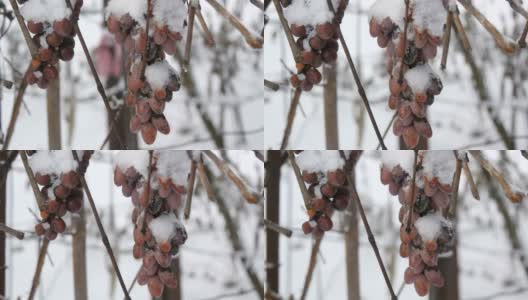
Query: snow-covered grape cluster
[(413, 84), (425, 233), (151, 79), (57, 172), (316, 29), (158, 234), (52, 24), (325, 174)]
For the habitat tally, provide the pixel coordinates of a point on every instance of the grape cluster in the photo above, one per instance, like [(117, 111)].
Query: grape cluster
[(407, 65), (318, 44), (431, 199), (62, 193), (151, 81), (154, 204), (329, 190), (54, 41)]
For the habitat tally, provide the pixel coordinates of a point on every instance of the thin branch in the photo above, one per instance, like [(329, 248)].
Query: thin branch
[(388, 128), (407, 20), (467, 172), (296, 52), (251, 197), (361, 90), (100, 87), (16, 108), (413, 191), (277, 228), (271, 85), (522, 38), (447, 40), (33, 50), (259, 155), (456, 184), (253, 40), (209, 39), (31, 177), (190, 189), (205, 180), (38, 270), (104, 237), (459, 28), (511, 193), (504, 44), (304, 191), (291, 117), (188, 42), (518, 8), (311, 267), (371, 238), (258, 4), (18, 234)]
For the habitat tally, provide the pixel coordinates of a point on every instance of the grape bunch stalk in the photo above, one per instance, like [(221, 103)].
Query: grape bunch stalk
[(60, 187), (425, 233), (53, 35), (318, 44), (413, 84), (158, 234), (151, 79)]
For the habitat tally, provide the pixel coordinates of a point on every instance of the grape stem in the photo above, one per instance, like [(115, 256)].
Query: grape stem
[(16, 108), (31, 177), (292, 111), (190, 189), (102, 231), (277, 228), (307, 197), (40, 263)]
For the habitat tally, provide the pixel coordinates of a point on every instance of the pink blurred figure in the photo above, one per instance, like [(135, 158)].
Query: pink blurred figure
[(108, 57)]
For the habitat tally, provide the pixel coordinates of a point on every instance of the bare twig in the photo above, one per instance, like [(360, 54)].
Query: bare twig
[(311, 267), (371, 237), (456, 185), (190, 189), (271, 85), (33, 50), (104, 237), (447, 40), (251, 197), (511, 193), (259, 155), (504, 44), (361, 90), (304, 191), (253, 40), (148, 18), (16, 108), (38, 269), (100, 87), (522, 38), (31, 177), (459, 28), (467, 172), (205, 180), (388, 128), (296, 52), (291, 117), (188, 42), (209, 39), (258, 4), (18, 234), (413, 191), (277, 228), (407, 20), (518, 8)]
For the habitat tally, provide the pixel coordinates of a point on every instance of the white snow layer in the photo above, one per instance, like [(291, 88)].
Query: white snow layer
[(139, 159), (45, 10), (135, 8), (305, 12), (46, 162), (313, 161), (430, 226), (170, 12), (419, 78), (163, 227), (440, 164), (403, 158), (429, 15), (174, 165), (382, 9), (158, 74)]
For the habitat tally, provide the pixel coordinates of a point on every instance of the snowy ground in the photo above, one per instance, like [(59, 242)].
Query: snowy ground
[(207, 258)]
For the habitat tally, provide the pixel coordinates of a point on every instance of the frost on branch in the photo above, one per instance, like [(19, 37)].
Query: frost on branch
[(58, 174), (315, 26), (158, 234), (425, 234), (151, 79), (324, 172), (413, 84), (51, 23)]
